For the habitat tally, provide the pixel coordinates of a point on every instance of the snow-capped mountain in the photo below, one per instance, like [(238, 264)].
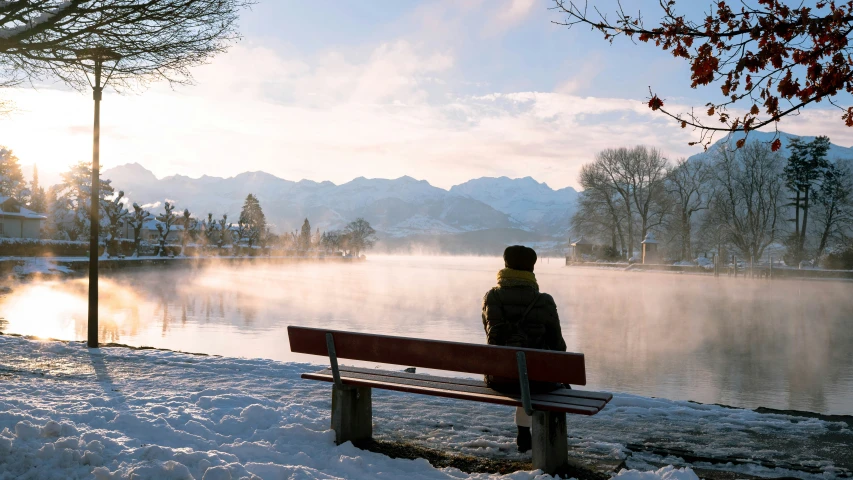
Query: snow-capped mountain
[(835, 151), (534, 205), (398, 208)]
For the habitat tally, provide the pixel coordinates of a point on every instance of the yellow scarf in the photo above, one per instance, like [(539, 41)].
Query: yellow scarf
[(516, 278)]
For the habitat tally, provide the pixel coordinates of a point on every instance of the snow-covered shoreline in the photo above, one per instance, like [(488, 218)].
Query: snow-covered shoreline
[(70, 412)]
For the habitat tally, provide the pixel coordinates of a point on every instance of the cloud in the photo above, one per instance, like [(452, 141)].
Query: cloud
[(387, 112), (509, 14)]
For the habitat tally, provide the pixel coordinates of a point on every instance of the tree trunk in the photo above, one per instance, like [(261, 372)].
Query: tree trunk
[(797, 248), (824, 237), (802, 239), (613, 237)]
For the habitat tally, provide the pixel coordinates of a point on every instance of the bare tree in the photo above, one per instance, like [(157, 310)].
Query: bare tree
[(687, 184), (600, 213), (155, 39), (834, 204), (637, 176), (747, 203)]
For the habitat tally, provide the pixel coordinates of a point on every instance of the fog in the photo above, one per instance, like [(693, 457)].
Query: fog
[(784, 344)]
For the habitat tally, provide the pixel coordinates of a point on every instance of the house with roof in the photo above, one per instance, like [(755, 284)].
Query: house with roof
[(17, 221)]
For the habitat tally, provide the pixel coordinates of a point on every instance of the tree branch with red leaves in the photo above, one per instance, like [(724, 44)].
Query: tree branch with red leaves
[(772, 59)]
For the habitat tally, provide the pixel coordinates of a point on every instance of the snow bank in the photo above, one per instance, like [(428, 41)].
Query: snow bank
[(67, 412)]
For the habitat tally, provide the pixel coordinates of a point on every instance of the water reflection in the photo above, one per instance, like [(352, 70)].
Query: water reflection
[(782, 344)]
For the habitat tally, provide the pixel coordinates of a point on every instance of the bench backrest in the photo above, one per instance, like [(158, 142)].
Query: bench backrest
[(542, 365)]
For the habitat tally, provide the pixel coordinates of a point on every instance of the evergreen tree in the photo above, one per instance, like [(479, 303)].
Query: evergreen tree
[(304, 242), (805, 167), (12, 182), (38, 197), (252, 219)]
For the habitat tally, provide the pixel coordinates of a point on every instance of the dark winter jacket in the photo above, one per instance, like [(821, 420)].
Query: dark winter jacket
[(503, 307)]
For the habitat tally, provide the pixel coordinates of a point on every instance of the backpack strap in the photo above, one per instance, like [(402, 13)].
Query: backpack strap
[(529, 308)]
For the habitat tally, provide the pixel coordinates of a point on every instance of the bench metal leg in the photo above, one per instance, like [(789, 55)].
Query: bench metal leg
[(352, 414), (550, 442)]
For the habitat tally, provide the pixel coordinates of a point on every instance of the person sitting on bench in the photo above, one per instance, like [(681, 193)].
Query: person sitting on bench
[(517, 314)]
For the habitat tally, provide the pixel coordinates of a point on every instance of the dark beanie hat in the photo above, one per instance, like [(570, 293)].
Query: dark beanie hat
[(519, 257)]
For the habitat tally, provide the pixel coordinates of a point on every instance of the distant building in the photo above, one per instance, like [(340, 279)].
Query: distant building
[(650, 249), (17, 221), (580, 248)]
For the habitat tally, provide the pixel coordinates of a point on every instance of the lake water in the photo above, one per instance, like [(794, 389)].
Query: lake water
[(783, 344)]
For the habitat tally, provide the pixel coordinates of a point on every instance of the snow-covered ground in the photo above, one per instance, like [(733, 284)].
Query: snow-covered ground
[(68, 412)]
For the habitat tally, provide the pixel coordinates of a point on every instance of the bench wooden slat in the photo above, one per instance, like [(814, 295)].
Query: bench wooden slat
[(544, 403), (566, 395), (542, 365), (604, 396)]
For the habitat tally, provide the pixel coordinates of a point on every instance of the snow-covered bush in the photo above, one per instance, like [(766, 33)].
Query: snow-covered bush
[(31, 247), (840, 258)]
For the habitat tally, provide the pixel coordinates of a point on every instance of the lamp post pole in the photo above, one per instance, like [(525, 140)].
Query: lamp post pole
[(97, 91), (97, 55)]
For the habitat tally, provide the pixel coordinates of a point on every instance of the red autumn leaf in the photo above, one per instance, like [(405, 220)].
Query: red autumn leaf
[(655, 103), (776, 145), (740, 142)]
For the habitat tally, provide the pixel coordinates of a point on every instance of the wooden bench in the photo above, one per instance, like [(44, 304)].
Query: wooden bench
[(352, 411), (351, 390)]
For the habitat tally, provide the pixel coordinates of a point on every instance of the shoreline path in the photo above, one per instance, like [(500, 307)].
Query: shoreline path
[(69, 412)]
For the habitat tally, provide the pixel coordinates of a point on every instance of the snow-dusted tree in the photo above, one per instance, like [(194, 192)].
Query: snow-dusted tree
[(73, 195), (155, 39), (164, 225), (252, 220), (190, 232), (12, 181), (688, 185), (209, 228), (224, 231), (115, 214), (38, 197), (360, 236), (137, 221)]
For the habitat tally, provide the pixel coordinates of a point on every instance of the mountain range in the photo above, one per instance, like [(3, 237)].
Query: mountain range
[(400, 209)]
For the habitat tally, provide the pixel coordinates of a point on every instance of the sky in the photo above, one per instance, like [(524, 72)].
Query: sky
[(443, 90)]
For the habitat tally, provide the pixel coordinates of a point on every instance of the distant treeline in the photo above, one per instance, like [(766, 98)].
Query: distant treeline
[(737, 200)]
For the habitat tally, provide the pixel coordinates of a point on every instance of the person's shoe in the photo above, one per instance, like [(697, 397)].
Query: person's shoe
[(524, 440)]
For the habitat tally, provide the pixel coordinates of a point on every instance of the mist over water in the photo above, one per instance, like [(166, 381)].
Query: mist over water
[(782, 344)]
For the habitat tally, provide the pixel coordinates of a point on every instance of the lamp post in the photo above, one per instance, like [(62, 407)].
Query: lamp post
[(97, 56)]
